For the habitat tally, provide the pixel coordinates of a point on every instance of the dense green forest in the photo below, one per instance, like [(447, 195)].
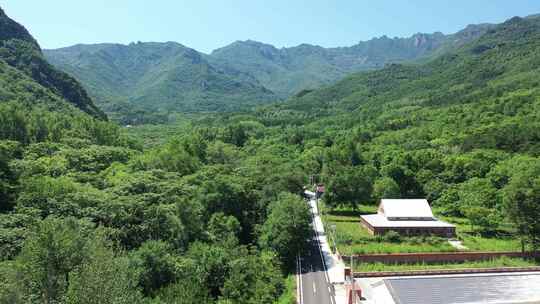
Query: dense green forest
[(94, 213), (462, 130), (88, 216)]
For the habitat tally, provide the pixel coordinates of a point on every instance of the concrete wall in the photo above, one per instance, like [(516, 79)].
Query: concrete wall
[(418, 231), (366, 225), (446, 232), (444, 272), (438, 257)]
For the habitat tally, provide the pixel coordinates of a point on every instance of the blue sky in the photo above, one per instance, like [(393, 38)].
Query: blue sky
[(206, 25)]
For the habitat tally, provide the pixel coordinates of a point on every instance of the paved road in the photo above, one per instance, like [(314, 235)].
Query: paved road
[(314, 283)]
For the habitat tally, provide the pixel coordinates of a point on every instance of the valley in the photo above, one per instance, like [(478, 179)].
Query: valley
[(152, 173)]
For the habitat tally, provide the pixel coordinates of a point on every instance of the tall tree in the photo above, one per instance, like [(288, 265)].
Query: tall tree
[(104, 279), (156, 266), (287, 229), (522, 197), (55, 249), (385, 187)]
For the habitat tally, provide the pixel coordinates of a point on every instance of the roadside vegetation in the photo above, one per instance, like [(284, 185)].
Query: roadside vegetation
[(499, 262), (289, 295)]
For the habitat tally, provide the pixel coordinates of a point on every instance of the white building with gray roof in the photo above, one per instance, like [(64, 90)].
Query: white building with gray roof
[(407, 217)]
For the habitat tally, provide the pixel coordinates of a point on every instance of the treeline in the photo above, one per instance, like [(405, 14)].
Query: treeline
[(87, 217), (34, 124)]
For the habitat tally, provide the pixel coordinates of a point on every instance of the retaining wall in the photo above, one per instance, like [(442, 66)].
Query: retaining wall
[(445, 272), (436, 257)]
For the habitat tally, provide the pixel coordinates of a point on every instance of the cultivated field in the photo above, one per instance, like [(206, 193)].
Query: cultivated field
[(499, 262)]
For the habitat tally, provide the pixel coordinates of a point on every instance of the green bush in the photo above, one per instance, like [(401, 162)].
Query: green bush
[(392, 237)]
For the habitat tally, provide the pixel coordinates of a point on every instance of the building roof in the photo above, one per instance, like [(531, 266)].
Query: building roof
[(406, 208), (379, 221), (497, 288)]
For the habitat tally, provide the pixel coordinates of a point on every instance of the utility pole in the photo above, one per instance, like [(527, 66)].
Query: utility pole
[(317, 201), (333, 227), (352, 279)]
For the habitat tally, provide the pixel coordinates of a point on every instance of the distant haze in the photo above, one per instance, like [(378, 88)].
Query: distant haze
[(207, 25)]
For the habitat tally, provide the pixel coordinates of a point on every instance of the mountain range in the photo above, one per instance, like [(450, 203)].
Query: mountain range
[(172, 77), (287, 71), (483, 94), (157, 76)]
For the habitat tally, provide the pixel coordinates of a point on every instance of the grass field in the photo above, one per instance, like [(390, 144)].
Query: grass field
[(504, 240), (500, 262), (351, 238), (289, 294)]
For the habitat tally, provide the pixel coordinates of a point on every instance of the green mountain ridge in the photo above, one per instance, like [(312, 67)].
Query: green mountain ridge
[(171, 77), (287, 71), (158, 76), (505, 51)]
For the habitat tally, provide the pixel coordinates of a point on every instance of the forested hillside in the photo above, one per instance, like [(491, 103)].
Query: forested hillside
[(19, 50), (88, 216), (462, 130)]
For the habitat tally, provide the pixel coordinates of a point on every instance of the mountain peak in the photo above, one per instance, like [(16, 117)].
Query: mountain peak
[(10, 29), (246, 44), (247, 48)]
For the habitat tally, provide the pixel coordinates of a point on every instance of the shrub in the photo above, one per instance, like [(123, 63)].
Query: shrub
[(392, 237)]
